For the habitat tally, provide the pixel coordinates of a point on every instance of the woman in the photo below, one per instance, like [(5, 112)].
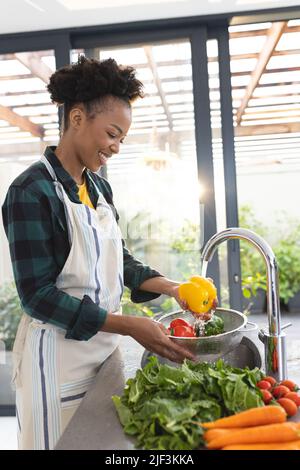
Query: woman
[(69, 261)]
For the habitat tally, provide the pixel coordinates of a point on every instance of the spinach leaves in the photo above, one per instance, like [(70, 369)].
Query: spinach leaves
[(161, 405)]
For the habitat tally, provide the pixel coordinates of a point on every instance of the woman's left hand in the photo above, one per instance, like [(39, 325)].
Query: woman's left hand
[(174, 292)]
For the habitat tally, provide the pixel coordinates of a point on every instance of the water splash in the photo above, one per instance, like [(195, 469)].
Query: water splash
[(200, 323)]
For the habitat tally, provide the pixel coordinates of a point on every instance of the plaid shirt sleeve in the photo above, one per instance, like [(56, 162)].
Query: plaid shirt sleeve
[(28, 226)]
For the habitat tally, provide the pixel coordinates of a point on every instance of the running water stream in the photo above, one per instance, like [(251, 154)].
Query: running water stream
[(200, 322)]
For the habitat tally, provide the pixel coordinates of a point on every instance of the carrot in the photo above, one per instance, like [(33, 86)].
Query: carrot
[(291, 445), (270, 414), (216, 432), (280, 432)]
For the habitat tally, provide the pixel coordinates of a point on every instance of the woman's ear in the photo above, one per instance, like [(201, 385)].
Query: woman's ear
[(76, 117)]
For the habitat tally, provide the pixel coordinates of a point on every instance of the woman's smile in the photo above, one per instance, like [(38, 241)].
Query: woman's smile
[(103, 157)]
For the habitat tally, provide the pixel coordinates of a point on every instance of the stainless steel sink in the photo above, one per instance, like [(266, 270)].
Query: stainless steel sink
[(246, 354)]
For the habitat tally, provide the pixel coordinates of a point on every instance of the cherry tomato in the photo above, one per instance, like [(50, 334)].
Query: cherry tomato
[(178, 322), (264, 385), (280, 391), (293, 396), (270, 379), (182, 331), (289, 384), (289, 406), (266, 396)]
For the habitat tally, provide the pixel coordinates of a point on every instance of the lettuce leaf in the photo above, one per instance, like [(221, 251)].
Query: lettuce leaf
[(161, 405)]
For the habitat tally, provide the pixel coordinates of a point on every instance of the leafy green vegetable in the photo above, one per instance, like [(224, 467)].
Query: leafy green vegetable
[(162, 405), (215, 326)]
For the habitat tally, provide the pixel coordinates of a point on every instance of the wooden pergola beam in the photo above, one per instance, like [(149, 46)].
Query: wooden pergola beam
[(13, 151), (241, 131), (284, 128), (274, 34), (34, 63), (157, 81), (22, 122), (39, 69), (259, 32)]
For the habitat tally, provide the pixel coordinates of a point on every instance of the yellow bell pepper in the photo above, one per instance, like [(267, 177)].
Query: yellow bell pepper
[(199, 293)]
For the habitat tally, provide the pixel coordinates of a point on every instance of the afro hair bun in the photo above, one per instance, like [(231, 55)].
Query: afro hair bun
[(90, 79)]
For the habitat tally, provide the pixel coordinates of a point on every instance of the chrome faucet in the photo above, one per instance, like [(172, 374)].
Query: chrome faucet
[(274, 339)]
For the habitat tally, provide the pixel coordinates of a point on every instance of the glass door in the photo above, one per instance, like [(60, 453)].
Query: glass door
[(28, 122), (266, 101)]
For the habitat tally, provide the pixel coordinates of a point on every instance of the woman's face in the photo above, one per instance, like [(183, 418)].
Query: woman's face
[(96, 139)]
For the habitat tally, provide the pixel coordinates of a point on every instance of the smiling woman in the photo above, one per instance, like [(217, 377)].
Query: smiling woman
[(95, 122), (69, 261)]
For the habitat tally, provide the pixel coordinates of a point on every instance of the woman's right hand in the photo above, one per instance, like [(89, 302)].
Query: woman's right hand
[(149, 333), (154, 337)]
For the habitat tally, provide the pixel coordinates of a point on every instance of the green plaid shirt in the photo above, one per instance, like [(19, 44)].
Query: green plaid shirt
[(36, 228)]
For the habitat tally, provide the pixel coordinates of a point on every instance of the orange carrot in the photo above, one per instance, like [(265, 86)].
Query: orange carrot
[(270, 414), (216, 432), (282, 432), (291, 445)]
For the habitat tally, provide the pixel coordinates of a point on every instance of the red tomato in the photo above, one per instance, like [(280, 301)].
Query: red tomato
[(289, 384), (182, 331), (289, 406), (280, 391), (293, 396), (266, 396), (264, 385), (179, 322), (270, 379)]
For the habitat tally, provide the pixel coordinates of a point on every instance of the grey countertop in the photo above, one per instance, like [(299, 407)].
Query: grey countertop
[(95, 425)]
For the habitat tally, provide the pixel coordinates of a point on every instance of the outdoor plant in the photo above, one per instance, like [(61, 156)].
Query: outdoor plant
[(131, 308), (187, 248), (10, 314), (251, 260), (253, 268), (250, 284), (287, 252)]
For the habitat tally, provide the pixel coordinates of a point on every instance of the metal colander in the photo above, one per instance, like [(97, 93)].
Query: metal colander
[(210, 348)]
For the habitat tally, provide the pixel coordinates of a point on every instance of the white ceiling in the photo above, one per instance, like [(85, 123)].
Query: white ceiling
[(36, 15)]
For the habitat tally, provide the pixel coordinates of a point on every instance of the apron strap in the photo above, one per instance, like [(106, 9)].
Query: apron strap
[(100, 195), (60, 193), (49, 168), (58, 186)]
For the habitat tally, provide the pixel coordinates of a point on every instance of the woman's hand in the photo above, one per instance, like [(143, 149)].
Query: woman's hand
[(153, 336), (174, 292), (149, 333)]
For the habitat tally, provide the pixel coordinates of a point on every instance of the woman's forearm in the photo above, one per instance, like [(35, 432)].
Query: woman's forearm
[(124, 324), (159, 285), (150, 334), (120, 324)]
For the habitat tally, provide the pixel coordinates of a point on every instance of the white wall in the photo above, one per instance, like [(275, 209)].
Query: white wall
[(44, 14)]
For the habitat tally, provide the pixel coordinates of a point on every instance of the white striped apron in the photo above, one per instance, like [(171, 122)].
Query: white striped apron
[(51, 373)]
